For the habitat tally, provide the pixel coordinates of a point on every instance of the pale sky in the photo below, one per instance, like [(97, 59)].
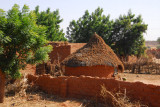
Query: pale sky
[(73, 9)]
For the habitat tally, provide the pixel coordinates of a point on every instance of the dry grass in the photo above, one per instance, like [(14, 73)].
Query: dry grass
[(19, 87), (118, 99)]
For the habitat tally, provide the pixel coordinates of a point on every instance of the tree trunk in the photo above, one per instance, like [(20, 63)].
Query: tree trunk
[(2, 86)]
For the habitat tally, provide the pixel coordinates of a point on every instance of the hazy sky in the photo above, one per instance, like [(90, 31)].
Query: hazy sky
[(73, 9)]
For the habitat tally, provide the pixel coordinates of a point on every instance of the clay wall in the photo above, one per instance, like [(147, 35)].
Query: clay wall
[(76, 46), (98, 70), (40, 69), (59, 53), (62, 50), (89, 87)]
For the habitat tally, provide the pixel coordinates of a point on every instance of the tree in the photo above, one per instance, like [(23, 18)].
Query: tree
[(127, 36), (82, 29), (52, 22), (158, 40), (22, 41), (124, 35)]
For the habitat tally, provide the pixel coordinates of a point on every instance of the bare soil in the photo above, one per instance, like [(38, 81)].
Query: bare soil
[(145, 78), (42, 99)]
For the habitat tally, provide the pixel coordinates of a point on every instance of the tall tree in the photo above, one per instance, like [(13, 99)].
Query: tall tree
[(127, 36), (22, 41), (82, 29), (52, 22)]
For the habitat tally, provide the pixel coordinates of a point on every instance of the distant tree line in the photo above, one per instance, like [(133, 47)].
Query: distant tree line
[(158, 40)]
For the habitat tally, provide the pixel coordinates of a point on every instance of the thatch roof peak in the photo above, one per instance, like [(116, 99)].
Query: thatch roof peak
[(97, 41)]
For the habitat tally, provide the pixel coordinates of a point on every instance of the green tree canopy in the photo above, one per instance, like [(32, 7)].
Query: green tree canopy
[(127, 35), (158, 40), (124, 35), (22, 41), (82, 29), (52, 22)]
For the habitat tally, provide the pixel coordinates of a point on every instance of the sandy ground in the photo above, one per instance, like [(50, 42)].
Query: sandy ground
[(145, 78)]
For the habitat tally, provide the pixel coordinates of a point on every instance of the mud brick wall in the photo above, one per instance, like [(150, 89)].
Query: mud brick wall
[(76, 46), (62, 50), (40, 68), (89, 87), (59, 53), (98, 70)]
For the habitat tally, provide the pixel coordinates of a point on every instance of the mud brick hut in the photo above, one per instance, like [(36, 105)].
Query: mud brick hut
[(96, 58)]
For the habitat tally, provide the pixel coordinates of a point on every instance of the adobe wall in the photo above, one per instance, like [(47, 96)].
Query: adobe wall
[(76, 46), (59, 53), (40, 68), (98, 70), (89, 87), (61, 50)]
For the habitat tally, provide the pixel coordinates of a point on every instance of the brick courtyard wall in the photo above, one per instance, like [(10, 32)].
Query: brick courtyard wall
[(98, 70), (89, 87)]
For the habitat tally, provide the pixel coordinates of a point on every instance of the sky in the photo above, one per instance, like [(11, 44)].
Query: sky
[(74, 9)]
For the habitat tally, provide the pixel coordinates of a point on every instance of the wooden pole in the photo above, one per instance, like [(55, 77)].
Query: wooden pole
[(2, 86)]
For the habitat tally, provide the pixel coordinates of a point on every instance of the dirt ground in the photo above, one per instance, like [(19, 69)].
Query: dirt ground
[(42, 100), (145, 78)]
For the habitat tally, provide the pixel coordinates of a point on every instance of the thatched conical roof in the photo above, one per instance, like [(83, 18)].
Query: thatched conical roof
[(95, 52)]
